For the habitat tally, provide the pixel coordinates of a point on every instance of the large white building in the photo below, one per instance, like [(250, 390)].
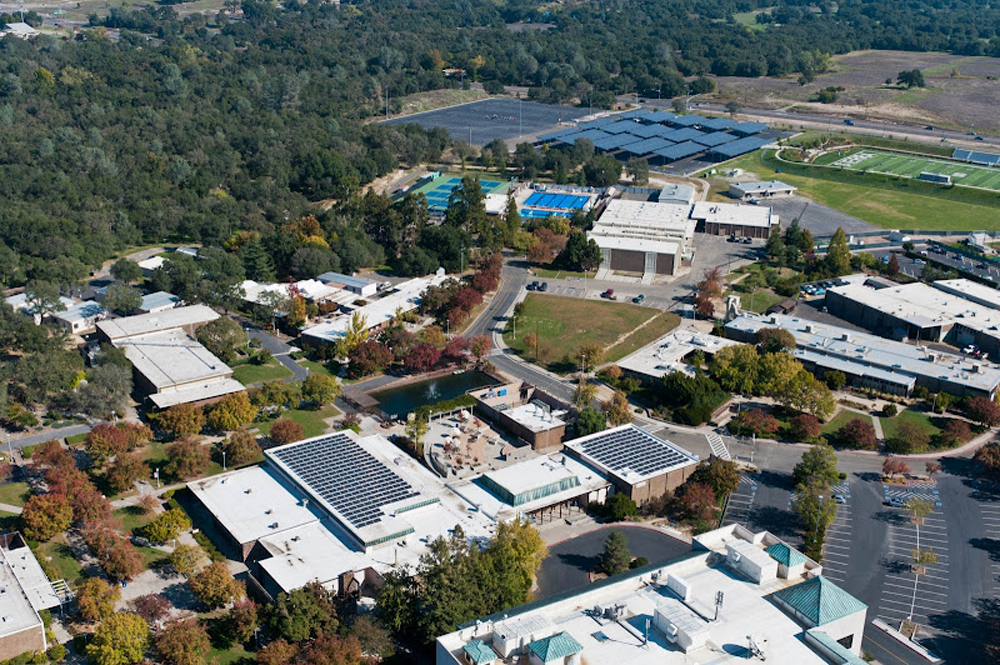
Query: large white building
[(737, 592), (25, 591), (725, 219), (644, 236), (667, 353)]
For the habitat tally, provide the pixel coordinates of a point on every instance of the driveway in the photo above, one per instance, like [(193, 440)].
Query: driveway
[(570, 562), (280, 350)]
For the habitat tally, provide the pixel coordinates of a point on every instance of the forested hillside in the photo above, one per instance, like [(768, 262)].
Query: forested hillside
[(196, 129)]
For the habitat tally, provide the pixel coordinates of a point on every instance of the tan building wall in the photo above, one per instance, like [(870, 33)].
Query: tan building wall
[(656, 487), (628, 261), (665, 264), (25, 641), (715, 228)]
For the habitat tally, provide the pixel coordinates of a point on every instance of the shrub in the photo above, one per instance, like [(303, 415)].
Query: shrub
[(889, 411), (805, 427), (955, 433), (858, 434), (755, 422), (286, 431), (166, 526)]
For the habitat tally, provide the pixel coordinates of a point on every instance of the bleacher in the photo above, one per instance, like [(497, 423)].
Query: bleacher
[(974, 157)]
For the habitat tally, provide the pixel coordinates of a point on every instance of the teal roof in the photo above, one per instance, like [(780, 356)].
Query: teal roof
[(846, 656), (785, 555), (556, 647), (820, 600), (480, 652)]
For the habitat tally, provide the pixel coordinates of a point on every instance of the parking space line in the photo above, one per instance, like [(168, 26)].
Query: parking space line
[(921, 593), (923, 582)]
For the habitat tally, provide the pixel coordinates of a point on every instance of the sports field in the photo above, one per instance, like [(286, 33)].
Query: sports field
[(439, 190), (908, 166)]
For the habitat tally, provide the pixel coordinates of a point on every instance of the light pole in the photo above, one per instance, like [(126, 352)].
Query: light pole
[(223, 460), (515, 326)]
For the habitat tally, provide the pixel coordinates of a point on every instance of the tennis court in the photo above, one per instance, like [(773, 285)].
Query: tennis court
[(911, 166), (561, 201), (438, 191)]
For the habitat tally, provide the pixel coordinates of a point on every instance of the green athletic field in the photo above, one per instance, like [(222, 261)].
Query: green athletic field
[(909, 166)]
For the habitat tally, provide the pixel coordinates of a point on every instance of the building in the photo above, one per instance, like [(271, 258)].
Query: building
[(919, 312), (377, 313), (641, 465), (168, 363), (22, 30), (644, 237), (302, 516), (20, 303), (976, 292), (746, 191), (81, 318), (674, 193), (363, 287), (869, 361), (548, 487), (531, 415), (728, 597), (159, 302), (733, 219), (667, 354), (24, 592), (151, 264)]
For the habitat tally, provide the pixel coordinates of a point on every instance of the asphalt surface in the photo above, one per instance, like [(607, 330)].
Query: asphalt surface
[(280, 350), (570, 562), (818, 219), (482, 121)]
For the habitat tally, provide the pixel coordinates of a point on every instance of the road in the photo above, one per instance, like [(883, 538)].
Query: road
[(279, 349)]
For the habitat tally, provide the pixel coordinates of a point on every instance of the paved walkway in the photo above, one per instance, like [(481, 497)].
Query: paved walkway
[(6, 507)]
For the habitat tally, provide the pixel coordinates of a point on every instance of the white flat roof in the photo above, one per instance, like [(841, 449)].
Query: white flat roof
[(870, 354), (141, 324), (532, 474), (746, 611), (158, 300), (973, 291), (172, 358), (762, 187), (635, 244), (406, 297), (152, 263), (666, 354), (32, 578), (631, 453), (15, 606), (734, 213), (20, 302), (209, 389), (253, 291), (665, 218), (535, 417), (88, 309), (249, 502), (309, 553)]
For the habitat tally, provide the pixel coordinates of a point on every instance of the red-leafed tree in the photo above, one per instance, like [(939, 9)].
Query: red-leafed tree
[(286, 431), (858, 434), (455, 348), (754, 421), (805, 427), (893, 466), (369, 357), (699, 501), (422, 357), (983, 410), (481, 347), (187, 458), (51, 454)]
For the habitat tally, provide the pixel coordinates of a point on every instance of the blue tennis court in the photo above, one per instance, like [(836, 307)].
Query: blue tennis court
[(542, 214), (564, 201)]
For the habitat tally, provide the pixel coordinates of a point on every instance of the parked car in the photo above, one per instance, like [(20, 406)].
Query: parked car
[(970, 349), (840, 498), (733, 238), (980, 138), (894, 501), (638, 299), (919, 262), (609, 294), (533, 286), (544, 286), (747, 240)]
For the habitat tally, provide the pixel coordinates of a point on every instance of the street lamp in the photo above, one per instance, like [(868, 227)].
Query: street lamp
[(223, 460)]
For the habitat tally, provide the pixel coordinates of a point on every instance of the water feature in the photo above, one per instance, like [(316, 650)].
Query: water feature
[(404, 399)]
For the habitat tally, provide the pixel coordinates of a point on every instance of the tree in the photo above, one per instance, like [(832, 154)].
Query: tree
[(122, 561), (858, 434), (816, 511), (988, 458), (922, 557), (152, 607), (775, 246), (773, 340), (186, 458), (241, 622), (616, 555), (303, 614), (892, 268), (373, 636), (736, 368), (416, 429), (241, 447), (984, 411), (805, 427), (105, 442), (369, 357), (277, 652), (43, 298), (232, 412), (223, 337), (838, 254), (185, 559), (618, 410), (722, 476), (932, 468), (121, 639), (590, 421), (126, 271), (45, 515), (122, 298), (699, 501), (620, 507), (106, 391), (834, 379), (167, 526), (320, 389), (285, 431), (181, 420), (754, 422), (911, 78), (125, 471), (909, 438), (818, 462), (807, 393), (919, 510), (733, 107), (183, 642), (422, 357), (602, 171), (589, 356), (96, 599), (585, 392), (480, 347), (893, 466), (580, 253), (638, 169), (332, 650), (215, 586)]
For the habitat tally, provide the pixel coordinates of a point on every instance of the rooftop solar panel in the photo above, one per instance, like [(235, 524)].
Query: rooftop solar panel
[(714, 139), (716, 124), (631, 449), (660, 116), (321, 463), (741, 147), (635, 113), (595, 124), (591, 135), (684, 134), (569, 138), (680, 151)]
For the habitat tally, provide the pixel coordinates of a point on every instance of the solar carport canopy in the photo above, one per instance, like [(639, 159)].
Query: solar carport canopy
[(741, 147), (680, 151)]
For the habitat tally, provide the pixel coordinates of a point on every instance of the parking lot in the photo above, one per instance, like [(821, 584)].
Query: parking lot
[(837, 548), (741, 501)]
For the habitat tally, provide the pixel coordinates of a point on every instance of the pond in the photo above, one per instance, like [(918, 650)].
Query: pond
[(397, 402)]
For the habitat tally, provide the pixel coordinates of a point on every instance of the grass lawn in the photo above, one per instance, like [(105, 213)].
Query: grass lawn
[(842, 419), (564, 324), (132, 518), (757, 300), (152, 557), (311, 421), (890, 426), (272, 370), (75, 439), (14, 494), (549, 273), (233, 654), (888, 205), (316, 367), (61, 558)]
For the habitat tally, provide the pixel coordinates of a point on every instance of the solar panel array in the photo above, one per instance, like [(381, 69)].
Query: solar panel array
[(322, 465), (633, 449), (741, 147), (655, 133), (974, 157)]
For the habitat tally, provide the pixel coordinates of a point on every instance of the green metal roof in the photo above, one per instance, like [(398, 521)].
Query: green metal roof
[(556, 647), (820, 600), (785, 555), (480, 652), (846, 655)]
